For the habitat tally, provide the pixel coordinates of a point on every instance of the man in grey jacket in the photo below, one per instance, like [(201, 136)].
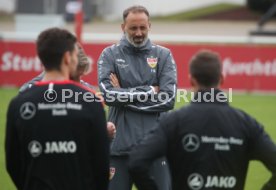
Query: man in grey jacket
[(138, 82)]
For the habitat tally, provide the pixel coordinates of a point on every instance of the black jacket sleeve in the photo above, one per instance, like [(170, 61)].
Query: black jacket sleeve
[(12, 147), (263, 149)]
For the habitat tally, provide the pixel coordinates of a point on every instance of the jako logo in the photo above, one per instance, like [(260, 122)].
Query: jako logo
[(36, 148), (220, 182), (60, 147), (196, 182)]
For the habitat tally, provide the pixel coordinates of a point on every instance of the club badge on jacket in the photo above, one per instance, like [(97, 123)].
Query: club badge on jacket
[(152, 62)]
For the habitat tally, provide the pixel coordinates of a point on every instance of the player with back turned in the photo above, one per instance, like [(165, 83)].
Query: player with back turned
[(208, 143), (53, 142)]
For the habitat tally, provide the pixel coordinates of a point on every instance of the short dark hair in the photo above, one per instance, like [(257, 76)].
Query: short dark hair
[(206, 68), (51, 45), (135, 9)]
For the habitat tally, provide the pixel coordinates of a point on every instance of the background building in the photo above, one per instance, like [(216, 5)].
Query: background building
[(112, 9), (107, 9)]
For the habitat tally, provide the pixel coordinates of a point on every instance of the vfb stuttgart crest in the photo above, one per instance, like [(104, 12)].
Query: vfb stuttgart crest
[(152, 62)]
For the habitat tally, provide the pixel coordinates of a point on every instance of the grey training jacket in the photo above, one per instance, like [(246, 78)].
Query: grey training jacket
[(134, 108)]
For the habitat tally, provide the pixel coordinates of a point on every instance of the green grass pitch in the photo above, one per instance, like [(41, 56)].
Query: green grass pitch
[(262, 107)]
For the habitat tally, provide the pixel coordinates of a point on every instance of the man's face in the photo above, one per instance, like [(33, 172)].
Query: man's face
[(83, 66), (136, 28)]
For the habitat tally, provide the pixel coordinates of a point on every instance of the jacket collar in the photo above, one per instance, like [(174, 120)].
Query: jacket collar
[(212, 95)]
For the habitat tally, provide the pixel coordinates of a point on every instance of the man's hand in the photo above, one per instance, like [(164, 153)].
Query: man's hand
[(111, 129), (156, 89), (114, 81)]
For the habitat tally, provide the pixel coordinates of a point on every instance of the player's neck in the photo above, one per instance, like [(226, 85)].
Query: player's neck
[(76, 79), (55, 76)]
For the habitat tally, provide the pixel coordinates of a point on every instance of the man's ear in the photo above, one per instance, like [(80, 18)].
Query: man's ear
[(67, 57), (192, 81), (123, 27), (221, 80)]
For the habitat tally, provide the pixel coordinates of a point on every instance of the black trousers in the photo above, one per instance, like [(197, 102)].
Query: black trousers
[(122, 180)]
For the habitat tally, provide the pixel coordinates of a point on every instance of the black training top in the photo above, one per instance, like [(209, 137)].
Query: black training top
[(208, 145), (56, 138)]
